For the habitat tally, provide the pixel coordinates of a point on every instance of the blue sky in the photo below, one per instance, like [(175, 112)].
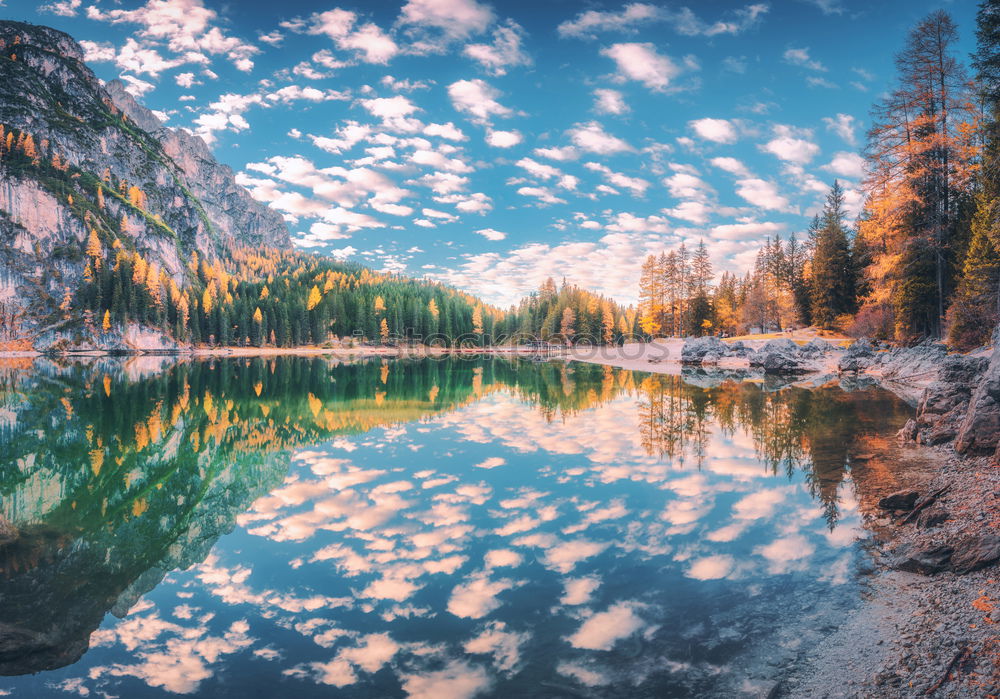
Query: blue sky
[(493, 145)]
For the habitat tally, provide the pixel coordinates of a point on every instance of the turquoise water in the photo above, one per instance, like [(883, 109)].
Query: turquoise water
[(424, 528)]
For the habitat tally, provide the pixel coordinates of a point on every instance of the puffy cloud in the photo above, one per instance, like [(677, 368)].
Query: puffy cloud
[(731, 165), (505, 51), (185, 26), (562, 154), (389, 107), (367, 41), (63, 8), (847, 164), (592, 137), (711, 567), (503, 139), (97, 52), (503, 645), (791, 144), (633, 15), (762, 193), (641, 62), (842, 125), (602, 630), (477, 596), (543, 194), (800, 57), (715, 130), (478, 99), (456, 19), (609, 101), (636, 185), (446, 131), (457, 680)]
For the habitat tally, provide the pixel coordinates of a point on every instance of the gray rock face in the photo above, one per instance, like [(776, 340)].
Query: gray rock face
[(954, 385), (779, 362), (192, 203), (816, 348), (979, 432)]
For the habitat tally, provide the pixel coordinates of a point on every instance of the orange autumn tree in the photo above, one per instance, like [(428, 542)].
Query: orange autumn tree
[(921, 162)]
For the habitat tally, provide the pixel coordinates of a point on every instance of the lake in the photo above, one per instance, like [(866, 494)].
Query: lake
[(426, 528)]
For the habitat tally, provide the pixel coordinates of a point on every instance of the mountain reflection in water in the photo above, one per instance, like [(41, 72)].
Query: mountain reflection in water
[(430, 527)]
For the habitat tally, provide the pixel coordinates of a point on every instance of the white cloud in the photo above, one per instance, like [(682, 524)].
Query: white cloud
[(367, 41), (731, 165), (503, 139), (716, 130), (602, 630), (592, 137), (842, 125), (847, 164), (636, 185), (457, 680), (636, 14), (490, 234), (186, 28), (792, 145), (63, 8), (609, 101), (800, 57), (641, 62), (478, 99), (762, 193), (456, 19), (505, 51)]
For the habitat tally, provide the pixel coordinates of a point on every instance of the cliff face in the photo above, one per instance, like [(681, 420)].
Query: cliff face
[(88, 137)]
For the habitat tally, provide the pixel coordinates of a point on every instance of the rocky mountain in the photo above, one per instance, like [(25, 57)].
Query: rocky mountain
[(78, 157)]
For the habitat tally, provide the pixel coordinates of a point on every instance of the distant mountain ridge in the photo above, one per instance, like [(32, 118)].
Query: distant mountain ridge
[(77, 156)]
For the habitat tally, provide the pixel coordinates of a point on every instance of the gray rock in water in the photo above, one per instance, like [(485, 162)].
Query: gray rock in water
[(779, 362), (901, 500), (923, 559), (859, 356), (908, 433), (781, 345), (975, 552), (696, 348), (816, 348)]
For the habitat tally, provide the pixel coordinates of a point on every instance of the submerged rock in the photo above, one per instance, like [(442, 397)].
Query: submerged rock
[(923, 559), (901, 500)]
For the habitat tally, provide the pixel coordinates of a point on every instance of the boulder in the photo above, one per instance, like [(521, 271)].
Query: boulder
[(975, 552), (923, 559), (908, 433), (696, 348), (816, 348), (859, 356), (900, 500), (778, 362), (782, 345)]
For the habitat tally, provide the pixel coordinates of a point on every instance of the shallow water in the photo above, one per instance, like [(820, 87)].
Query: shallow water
[(426, 528)]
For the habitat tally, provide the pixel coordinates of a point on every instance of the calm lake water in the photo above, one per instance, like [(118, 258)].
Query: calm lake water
[(426, 528)]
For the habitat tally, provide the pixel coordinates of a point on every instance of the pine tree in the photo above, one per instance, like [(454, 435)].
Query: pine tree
[(832, 284)]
